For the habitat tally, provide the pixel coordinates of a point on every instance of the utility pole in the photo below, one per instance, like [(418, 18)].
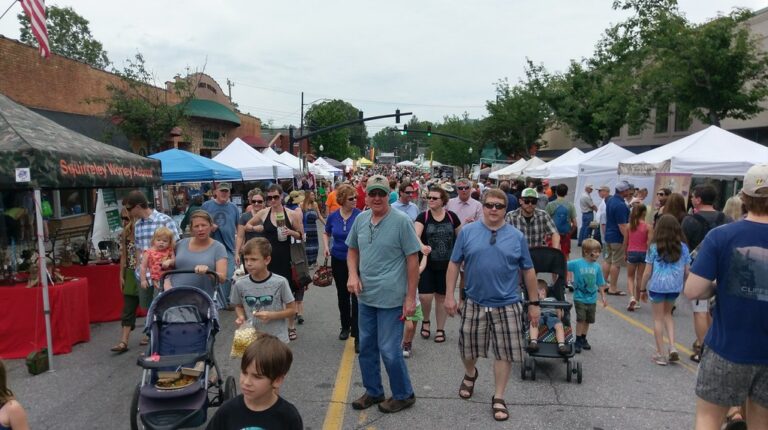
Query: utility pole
[(230, 84), (301, 131)]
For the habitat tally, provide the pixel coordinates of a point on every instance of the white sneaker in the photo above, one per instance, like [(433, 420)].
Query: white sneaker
[(407, 350)]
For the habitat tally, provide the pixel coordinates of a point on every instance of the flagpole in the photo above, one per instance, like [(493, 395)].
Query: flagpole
[(9, 8)]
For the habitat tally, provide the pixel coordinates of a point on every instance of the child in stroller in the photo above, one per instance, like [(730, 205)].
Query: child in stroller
[(551, 318)]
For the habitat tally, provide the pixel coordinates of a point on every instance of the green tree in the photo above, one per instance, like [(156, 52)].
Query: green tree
[(519, 115), (68, 35), (340, 143), (453, 151), (143, 111)]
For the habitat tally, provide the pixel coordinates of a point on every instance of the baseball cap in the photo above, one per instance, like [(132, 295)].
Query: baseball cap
[(589, 186), (447, 187), (756, 181), (296, 197), (529, 193), (377, 182), (224, 186), (605, 188), (622, 186)]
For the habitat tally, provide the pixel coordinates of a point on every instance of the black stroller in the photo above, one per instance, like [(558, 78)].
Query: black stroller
[(551, 260), (181, 379)]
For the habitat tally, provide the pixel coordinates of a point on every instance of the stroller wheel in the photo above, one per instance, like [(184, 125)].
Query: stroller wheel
[(135, 420), (578, 372), (568, 371), (533, 369), (230, 389)]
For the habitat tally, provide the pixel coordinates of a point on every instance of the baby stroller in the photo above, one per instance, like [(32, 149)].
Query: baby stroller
[(181, 324), (551, 260)]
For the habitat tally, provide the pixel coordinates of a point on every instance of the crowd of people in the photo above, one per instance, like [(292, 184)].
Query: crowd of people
[(400, 244)]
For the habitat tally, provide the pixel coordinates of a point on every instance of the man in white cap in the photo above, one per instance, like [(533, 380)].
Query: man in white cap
[(588, 209), (732, 262)]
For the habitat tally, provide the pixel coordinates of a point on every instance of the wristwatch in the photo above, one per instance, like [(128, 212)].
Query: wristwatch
[(534, 303)]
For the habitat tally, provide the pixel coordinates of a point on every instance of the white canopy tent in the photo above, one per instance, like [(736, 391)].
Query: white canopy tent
[(564, 166), (599, 167), (426, 164), (254, 165), (712, 152), (274, 156), (294, 162), (407, 163), (515, 169), (327, 166), (348, 162)]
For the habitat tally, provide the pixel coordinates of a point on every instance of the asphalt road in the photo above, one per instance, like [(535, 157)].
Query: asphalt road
[(622, 389)]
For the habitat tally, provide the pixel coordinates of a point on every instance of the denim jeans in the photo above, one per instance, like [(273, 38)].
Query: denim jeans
[(586, 218), (381, 336), (226, 287)]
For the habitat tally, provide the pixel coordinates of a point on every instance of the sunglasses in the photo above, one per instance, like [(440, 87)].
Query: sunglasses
[(494, 206), (254, 301), (377, 193), (493, 237), (257, 202), (462, 188), (433, 198), (273, 198), (409, 192), (352, 199), (530, 201), (661, 194)]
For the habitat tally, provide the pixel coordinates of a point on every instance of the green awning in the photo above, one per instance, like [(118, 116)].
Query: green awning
[(210, 109)]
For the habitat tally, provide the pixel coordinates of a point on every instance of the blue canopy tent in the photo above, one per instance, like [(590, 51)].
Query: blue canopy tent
[(184, 166)]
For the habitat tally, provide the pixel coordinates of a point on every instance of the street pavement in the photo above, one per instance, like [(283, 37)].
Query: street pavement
[(91, 387)]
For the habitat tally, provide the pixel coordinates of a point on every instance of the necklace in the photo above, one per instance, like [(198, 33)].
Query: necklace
[(344, 220)]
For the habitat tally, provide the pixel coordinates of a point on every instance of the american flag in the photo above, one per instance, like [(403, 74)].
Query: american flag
[(35, 10)]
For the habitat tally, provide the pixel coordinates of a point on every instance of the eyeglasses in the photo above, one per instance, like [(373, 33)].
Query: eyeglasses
[(352, 199), (257, 202), (254, 301), (529, 201), (462, 188), (273, 198), (493, 237), (433, 198), (494, 205)]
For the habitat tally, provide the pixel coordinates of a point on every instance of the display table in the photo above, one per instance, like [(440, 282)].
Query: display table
[(104, 296), (22, 323)]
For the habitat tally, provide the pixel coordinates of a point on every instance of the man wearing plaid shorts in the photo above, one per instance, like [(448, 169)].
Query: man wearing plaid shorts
[(494, 254), (148, 220)]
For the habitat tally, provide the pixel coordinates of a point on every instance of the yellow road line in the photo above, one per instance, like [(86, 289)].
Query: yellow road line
[(649, 330), (334, 417)]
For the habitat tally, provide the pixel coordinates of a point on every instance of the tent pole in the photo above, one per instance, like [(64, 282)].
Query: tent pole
[(43, 268)]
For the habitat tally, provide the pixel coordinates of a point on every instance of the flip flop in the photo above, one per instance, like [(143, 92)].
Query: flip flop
[(616, 293), (120, 348)]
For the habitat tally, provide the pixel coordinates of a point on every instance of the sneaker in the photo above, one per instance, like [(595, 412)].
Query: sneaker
[(659, 359), (300, 319), (563, 349), (632, 304), (533, 346), (569, 285), (391, 405), (674, 355), (585, 344), (407, 349), (577, 345), (365, 401), (344, 334)]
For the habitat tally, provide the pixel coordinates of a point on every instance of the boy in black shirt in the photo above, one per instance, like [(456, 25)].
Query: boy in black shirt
[(264, 366)]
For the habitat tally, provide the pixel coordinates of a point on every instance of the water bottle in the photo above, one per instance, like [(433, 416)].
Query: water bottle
[(280, 220)]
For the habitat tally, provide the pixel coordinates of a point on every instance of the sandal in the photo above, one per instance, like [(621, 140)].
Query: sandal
[(632, 304), (425, 332), (120, 347), (499, 409), (292, 334), (469, 389), (439, 336), (735, 421), (144, 341), (616, 293)]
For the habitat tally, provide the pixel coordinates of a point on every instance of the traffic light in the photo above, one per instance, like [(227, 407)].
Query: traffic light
[(360, 115), (405, 130), (397, 116), (429, 131)]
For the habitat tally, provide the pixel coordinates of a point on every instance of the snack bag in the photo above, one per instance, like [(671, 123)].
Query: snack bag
[(244, 335)]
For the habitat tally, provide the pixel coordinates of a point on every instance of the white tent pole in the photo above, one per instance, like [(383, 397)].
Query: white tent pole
[(42, 267)]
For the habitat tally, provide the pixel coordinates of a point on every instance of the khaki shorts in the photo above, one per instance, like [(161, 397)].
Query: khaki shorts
[(616, 256), (585, 312)]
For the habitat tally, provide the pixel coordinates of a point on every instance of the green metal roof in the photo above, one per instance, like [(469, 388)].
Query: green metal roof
[(210, 109)]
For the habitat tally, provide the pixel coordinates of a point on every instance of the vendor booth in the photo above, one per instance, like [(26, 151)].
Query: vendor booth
[(184, 166), (38, 154), (253, 165), (598, 168), (516, 169)]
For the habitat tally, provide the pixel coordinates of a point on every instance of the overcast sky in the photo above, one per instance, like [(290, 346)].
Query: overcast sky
[(431, 57)]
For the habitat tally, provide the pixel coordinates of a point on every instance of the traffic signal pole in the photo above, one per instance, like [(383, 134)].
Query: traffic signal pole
[(294, 139), (436, 133)]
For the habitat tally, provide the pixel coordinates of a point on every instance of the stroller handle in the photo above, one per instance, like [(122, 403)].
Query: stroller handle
[(214, 276)]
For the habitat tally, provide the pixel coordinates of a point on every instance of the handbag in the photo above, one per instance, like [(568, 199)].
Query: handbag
[(324, 275), (299, 261)]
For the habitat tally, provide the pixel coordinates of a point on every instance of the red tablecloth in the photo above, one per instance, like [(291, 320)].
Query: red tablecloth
[(22, 325), (104, 295)]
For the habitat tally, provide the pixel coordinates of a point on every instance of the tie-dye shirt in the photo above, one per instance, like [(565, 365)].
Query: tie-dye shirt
[(667, 277)]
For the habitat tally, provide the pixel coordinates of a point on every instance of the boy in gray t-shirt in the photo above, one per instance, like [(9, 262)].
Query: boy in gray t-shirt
[(264, 295)]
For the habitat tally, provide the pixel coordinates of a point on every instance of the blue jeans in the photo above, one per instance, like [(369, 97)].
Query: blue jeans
[(586, 218), (381, 336), (226, 286)]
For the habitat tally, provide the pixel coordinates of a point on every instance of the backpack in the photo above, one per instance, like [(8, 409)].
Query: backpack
[(720, 220), (561, 219)]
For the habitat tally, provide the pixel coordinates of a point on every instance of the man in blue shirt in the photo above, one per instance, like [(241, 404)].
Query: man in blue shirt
[(617, 235), (225, 215), (732, 262), (404, 203), (494, 254)]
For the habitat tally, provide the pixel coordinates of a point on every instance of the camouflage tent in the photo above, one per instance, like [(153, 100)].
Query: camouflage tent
[(36, 152)]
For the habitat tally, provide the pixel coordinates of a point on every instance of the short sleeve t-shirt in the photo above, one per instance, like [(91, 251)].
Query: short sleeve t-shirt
[(225, 216), (587, 279), (187, 260), (270, 294), (440, 236), (667, 277), (616, 213), (338, 228), (492, 271), (234, 414), (736, 256), (383, 249)]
